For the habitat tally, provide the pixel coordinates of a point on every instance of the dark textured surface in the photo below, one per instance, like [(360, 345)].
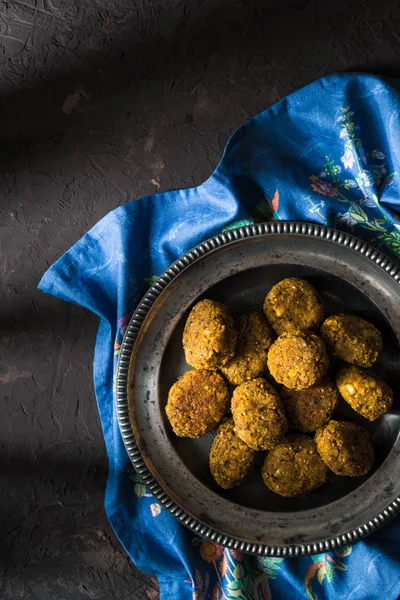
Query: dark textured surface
[(101, 102)]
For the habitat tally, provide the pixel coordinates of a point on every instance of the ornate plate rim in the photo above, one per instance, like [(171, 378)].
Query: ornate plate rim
[(122, 376)]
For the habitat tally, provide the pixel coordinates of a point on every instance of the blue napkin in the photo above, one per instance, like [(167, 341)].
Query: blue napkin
[(328, 154)]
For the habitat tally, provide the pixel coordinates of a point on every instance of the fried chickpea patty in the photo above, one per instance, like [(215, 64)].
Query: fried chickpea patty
[(294, 467), (293, 305), (346, 448), (255, 336), (367, 394), (231, 460), (352, 339), (196, 403), (258, 414), (209, 337), (297, 360), (308, 410)]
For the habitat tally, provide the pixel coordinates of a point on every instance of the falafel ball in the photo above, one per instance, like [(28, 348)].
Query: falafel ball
[(196, 403), (294, 467), (293, 305), (258, 414), (308, 410), (365, 392), (352, 339), (298, 360), (209, 337), (255, 335), (346, 448), (231, 460)]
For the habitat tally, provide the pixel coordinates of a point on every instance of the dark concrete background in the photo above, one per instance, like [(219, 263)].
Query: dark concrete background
[(102, 102)]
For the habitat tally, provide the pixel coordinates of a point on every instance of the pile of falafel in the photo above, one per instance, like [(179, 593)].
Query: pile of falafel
[(280, 341)]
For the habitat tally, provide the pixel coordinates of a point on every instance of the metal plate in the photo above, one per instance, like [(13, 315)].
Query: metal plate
[(238, 268)]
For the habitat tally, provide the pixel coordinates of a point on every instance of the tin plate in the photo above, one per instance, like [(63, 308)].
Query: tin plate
[(238, 268)]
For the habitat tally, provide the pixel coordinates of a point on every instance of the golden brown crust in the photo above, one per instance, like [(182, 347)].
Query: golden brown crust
[(308, 410), (293, 305), (209, 337), (294, 467), (298, 360), (365, 392), (346, 448), (352, 339), (258, 414), (255, 336), (196, 403), (231, 460)]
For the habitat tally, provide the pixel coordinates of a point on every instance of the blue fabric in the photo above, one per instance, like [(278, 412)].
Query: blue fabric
[(328, 154)]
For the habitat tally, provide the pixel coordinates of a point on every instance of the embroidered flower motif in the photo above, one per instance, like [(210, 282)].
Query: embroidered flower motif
[(378, 154), (371, 174), (322, 187), (140, 490), (155, 509), (138, 487), (324, 567), (365, 179), (275, 201), (223, 565), (344, 551), (347, 220), (217, 592), (237, 224), (210, 552), (239, 556), (123, 321), (347, 159)]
